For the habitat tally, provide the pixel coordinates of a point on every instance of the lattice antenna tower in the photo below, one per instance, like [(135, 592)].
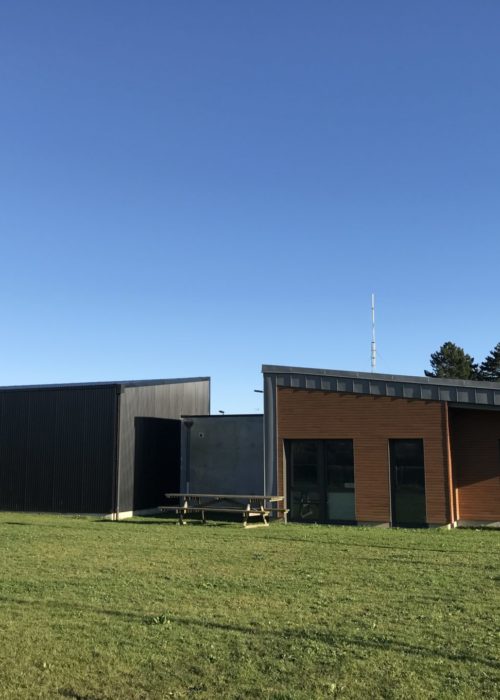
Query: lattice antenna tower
[(374, 344)]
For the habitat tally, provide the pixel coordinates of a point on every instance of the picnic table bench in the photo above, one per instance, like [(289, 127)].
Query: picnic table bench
[(249, 506)]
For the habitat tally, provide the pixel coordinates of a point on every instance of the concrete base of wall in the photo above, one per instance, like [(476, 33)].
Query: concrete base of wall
[(495, 525), (441, 526), (123, 515), (103, 516)]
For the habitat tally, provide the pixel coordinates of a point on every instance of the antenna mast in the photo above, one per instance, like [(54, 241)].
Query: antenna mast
[(374, 344)]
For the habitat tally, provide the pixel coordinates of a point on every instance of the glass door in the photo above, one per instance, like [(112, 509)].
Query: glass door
[(339, 464), (304, 479), (321, 480), (407, 482)]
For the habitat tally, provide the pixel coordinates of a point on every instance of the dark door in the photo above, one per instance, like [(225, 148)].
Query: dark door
[(407, 482), (339, 466), (321, 480), (157, 460), (306, 480)]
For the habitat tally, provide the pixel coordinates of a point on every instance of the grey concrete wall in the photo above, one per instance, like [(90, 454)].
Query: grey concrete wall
[(225, 454)]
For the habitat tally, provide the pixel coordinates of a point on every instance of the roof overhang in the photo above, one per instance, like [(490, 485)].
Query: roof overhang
[(126, 384), (456, 391)]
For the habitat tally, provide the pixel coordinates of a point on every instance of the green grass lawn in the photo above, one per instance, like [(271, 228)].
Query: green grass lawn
[(148, 609)]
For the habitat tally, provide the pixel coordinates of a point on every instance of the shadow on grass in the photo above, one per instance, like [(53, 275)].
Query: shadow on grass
[(347, 545), (159, 521), (174, 520), (68, 693), (169, 521), (156, 519), (397, 560), (329, 638), (57, 604), (56, 526)]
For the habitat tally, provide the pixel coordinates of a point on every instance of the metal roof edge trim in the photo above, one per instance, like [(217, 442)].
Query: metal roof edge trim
[(126, 384), (375, 376)]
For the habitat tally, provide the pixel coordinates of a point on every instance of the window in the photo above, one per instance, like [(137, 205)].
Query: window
[(321, 480)]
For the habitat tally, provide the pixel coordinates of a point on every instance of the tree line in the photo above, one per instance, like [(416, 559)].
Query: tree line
[(452, 362)]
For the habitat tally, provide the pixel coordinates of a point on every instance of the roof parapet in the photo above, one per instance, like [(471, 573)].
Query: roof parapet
[(396, 386)]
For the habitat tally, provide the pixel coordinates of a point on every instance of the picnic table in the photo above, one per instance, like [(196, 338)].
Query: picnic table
[(251, 507)]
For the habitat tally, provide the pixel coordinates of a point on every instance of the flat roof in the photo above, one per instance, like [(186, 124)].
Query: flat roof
[(124, 384), (454, 391)]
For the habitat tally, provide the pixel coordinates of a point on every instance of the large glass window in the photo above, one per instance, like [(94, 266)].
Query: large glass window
[(321, 480), (305, 464)]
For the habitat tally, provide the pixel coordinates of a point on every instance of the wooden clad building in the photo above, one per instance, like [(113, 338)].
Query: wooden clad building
[(345, 447)]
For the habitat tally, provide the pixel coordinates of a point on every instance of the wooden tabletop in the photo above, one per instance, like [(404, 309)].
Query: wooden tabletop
[(222, 496)]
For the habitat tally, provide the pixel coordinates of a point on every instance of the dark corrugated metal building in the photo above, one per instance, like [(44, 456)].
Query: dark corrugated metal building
[(109, 448)]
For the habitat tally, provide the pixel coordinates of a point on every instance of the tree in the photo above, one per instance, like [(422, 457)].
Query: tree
[(489, 370), (452, 362)]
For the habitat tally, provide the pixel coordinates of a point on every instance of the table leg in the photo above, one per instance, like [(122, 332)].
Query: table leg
[(245, 515), (183, 512)]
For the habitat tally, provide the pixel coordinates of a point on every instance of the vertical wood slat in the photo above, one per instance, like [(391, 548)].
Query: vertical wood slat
[(452, 490), (475, 444)]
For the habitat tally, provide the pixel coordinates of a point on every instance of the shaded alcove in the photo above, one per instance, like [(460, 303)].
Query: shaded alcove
[(157, 458)]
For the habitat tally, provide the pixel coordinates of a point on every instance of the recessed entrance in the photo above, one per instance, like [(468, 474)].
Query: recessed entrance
[(321, 480), (407, 482)]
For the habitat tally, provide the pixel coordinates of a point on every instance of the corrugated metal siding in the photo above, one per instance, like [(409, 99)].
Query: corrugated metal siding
[(14, 423), (162, 401), (475, 445), (370, 421), (57, 449)]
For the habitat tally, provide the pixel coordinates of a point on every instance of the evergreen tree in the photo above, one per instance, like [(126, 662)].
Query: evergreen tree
[(489, 370), (451, 362)]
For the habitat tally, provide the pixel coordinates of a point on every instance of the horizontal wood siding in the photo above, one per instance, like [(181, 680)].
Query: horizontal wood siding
[(475, 445), (370, 421)]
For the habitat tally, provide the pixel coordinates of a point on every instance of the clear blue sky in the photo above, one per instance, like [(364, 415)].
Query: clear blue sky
[(197, 188)]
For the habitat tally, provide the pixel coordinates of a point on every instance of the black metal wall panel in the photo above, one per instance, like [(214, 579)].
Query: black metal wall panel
[(41, 452), (168, 400), (58, 448), (13, 451)]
